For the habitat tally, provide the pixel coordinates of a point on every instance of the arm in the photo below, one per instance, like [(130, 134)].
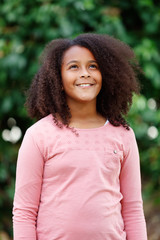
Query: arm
[(28, 188), (130, 182)]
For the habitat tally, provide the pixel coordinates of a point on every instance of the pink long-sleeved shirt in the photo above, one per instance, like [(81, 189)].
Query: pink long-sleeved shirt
[(84, 187)]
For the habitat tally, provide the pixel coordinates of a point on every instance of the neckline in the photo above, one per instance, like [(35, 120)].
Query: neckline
[(93, 129), (89, 129)]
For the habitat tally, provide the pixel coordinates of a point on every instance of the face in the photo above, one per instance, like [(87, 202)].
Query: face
[(81, 77)]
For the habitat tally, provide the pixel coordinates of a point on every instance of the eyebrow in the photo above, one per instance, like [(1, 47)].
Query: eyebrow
[(75, 61)]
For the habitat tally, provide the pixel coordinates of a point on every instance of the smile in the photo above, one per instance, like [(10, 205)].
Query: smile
[(84, 85)]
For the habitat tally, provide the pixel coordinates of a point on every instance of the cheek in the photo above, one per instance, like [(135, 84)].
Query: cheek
[(65, 79), (100, 84), (64, 76), (99, 77), (67, 83)]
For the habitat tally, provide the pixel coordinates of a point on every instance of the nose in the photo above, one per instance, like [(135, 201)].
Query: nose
[(84, 73)]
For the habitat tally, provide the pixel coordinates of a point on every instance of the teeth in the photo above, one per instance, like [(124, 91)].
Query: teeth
[(85, 85)]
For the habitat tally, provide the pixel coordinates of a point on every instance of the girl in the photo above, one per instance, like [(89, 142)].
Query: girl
[(78, 173)]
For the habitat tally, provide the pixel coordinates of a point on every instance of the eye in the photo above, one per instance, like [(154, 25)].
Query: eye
[(93, 66), (74, 66)]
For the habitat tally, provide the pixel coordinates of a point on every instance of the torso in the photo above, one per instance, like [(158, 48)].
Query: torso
[(80, 190)]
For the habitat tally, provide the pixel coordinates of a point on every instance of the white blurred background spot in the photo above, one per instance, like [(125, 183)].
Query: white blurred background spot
[(14, 134), (152, 132), (152, 104)]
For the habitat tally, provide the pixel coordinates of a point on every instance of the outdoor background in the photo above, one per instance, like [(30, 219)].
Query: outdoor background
[(26, 27)]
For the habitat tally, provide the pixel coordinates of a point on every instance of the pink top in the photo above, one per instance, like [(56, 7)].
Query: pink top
[(84, 187)]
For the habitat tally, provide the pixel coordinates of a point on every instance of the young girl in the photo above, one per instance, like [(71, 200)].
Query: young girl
[(78, 173)]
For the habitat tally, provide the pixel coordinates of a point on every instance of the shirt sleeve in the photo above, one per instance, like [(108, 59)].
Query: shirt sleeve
[(130, 183), (28, 188)]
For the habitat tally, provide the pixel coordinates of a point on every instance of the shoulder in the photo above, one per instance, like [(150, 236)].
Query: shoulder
[(44, 125), (121, 132), (125, 139), (129, 142), (43, 133), (42, 130), (127, 134)]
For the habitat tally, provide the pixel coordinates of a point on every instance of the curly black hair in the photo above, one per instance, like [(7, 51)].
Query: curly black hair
[(118, 67)]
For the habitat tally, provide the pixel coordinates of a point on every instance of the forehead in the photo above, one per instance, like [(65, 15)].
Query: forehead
[(77, 53)]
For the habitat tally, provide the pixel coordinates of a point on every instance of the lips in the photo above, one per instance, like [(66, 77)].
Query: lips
[(84, 84)]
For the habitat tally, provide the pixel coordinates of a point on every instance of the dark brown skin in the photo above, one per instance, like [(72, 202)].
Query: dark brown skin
[(118, 68)]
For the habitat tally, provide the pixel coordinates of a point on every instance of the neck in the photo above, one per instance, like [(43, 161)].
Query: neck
[(83, 110), (85, 115)]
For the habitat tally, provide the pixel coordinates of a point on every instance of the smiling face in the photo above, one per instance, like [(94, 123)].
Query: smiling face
[(81, 77)]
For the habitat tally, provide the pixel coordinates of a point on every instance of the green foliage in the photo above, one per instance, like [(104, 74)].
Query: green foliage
[(144, 117), (25, 28)]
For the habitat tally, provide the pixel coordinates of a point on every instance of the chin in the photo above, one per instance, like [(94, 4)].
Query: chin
[(86, 100)]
